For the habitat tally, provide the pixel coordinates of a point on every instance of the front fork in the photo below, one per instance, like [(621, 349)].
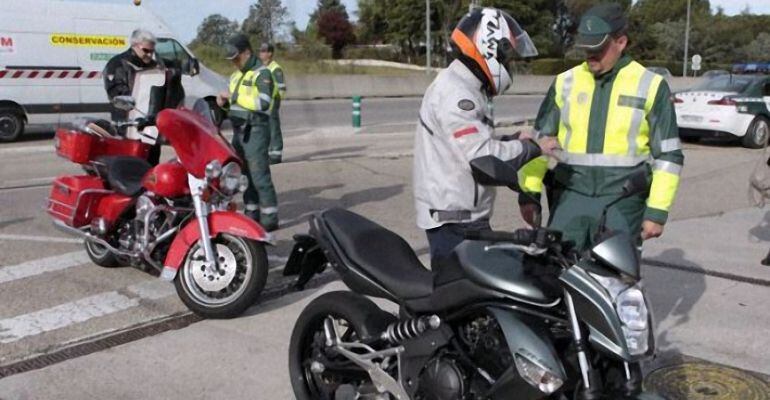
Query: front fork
[(197, 187)]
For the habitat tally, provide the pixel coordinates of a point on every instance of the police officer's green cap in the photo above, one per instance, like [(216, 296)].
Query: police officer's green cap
[(236, 45), (597, 24)]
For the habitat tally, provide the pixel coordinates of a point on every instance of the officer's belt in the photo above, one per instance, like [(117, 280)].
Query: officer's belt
[(450, 215)]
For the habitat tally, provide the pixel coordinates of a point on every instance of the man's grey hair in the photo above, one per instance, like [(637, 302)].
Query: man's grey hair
[(142, 36)]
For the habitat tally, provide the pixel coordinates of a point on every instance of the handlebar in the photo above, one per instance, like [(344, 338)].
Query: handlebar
[(540, 237)]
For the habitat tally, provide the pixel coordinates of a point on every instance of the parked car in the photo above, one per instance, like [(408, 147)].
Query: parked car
[(714, 73), (735, 105)]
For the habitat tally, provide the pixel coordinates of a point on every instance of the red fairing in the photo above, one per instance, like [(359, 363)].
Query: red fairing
[(167, 180), (112, 206), (219, 222), (195, 140)]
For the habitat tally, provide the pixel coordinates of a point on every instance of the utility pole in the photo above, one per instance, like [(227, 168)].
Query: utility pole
[(427, 35), (686, 40)]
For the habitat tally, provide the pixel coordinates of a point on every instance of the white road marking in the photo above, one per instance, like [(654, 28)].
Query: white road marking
[(45, 148), (61, 316), (44, 239), (42, 265), (155, 289)]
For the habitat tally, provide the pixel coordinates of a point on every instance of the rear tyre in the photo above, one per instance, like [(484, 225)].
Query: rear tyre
[(231, 289), (101, 255), (757, 134), (356, 319), (11, 124)]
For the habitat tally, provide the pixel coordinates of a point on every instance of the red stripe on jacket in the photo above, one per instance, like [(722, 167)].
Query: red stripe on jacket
[(467, 131)]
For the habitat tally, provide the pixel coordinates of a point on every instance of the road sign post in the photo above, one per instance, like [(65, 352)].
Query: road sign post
[(696, 60), (357, 113)]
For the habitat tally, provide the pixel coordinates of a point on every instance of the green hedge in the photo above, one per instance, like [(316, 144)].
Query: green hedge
[(551, 66)]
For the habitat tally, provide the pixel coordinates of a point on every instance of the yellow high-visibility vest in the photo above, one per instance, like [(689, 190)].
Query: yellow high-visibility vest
[(280, 86), (245, 94)]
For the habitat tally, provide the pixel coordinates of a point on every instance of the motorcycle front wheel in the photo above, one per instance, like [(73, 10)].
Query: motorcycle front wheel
[(315, 369), (227, 289)]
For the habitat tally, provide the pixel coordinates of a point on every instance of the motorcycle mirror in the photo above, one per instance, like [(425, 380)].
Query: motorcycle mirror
[(492, 171), (125, 103)]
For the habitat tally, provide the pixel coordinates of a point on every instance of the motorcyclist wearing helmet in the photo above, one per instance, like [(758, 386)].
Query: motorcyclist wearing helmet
[(456, 126)]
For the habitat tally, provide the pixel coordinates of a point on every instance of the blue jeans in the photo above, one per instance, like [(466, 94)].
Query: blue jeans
[(445, 238)]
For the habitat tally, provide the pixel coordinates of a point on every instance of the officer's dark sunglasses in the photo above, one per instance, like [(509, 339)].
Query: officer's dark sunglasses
[(147, 51)]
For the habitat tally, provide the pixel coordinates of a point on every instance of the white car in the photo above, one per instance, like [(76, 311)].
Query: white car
[(735, 105)]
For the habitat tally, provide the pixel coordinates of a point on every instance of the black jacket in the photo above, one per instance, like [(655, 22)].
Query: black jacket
[(119, 81)]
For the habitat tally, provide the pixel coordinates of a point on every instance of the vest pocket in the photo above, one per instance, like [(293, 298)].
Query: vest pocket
[(631, 101)]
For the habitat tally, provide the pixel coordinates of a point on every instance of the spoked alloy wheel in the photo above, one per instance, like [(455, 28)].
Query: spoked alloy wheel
[(317, 371), (227, 289)]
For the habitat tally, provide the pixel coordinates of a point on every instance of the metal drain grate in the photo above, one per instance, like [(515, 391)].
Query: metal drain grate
[(140, 332), (702, 381)]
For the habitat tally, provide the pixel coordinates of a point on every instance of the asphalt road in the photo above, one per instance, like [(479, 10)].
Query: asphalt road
[(52, 298)]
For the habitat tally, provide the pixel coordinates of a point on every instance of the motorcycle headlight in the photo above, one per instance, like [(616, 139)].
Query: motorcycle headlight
[(231, 180), (536, 375), (632, 312), (213, 170)]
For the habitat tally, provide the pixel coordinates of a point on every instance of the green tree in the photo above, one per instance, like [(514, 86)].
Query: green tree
[(328, 5), (266, 20), (214, 31), (758, 49)]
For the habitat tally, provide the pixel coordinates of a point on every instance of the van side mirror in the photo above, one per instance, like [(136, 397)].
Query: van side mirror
[(191, 67), (125, 103)]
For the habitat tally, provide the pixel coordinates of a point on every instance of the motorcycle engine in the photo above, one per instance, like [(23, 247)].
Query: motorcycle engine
[(442, 379)]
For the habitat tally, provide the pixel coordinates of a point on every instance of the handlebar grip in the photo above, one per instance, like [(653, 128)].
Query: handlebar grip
[(520, 236)]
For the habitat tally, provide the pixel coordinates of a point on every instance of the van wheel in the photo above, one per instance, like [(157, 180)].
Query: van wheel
[(757, 134), (11, 124)]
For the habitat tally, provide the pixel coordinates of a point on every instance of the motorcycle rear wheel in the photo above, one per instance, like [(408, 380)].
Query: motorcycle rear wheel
[(101, 255), (242, 271), (356, 319)]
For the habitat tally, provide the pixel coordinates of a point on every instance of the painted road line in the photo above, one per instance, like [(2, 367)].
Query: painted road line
[(25, 183), (44, 239), (61, 316), (45, 148), (42, 265)]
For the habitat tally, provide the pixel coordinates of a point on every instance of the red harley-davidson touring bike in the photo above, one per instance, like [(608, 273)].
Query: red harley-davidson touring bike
[(177, 217)]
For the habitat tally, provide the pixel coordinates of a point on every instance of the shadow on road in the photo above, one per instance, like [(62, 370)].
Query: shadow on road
[(330, 154), (673, 295), (297, 205)]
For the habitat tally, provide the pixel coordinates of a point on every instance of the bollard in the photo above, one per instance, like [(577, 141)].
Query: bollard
[(357, 113)]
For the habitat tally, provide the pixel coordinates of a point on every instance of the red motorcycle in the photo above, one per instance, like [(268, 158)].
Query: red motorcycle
[(177, 217)]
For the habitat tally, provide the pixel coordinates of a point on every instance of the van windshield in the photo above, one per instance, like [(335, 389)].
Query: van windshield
[(171, 53), (727, 83)]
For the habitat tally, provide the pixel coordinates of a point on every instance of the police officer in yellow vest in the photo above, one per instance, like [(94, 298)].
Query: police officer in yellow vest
[(275, 151), (612, 117), (250, 103)]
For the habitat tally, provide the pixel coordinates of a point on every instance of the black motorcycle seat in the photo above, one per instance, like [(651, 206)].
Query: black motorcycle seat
[(124, 174), (379, 253)]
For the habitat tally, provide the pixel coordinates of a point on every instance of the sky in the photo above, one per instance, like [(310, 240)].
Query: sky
[(184, 16)]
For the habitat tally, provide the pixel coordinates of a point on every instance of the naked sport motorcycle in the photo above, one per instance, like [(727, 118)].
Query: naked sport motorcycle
[(510, 315)]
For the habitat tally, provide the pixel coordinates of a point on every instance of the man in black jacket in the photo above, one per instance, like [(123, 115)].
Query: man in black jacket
[(120, 72)]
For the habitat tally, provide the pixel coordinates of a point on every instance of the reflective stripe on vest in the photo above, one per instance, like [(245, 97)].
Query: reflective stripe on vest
[(279, 86), (626, 133), (245, 91)]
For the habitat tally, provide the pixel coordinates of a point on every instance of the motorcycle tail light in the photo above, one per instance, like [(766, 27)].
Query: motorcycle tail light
[(536, 375)]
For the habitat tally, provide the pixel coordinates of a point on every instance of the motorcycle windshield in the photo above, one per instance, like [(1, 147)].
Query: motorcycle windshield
[(195, 139)]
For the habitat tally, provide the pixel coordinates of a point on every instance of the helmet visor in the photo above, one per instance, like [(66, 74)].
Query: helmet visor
[(524, 45)]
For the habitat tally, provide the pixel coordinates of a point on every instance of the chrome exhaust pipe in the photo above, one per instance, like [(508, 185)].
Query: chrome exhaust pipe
[(88, 236)]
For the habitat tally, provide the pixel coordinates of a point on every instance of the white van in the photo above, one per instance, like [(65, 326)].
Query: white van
[(52, 54)]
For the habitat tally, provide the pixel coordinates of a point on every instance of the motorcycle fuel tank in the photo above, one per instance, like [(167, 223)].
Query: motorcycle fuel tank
[(167, 180)]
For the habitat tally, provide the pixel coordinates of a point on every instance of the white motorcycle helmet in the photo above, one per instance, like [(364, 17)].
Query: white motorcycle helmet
[(487, 41)]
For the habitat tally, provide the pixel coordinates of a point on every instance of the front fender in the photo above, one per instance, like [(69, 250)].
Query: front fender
[(229, 222), (526, 336)]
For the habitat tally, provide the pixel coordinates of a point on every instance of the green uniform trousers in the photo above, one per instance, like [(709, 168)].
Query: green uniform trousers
[(275, 150), (577, 216), (251, 142)]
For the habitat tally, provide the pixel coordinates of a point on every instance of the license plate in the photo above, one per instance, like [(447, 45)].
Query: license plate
[(692, 118)]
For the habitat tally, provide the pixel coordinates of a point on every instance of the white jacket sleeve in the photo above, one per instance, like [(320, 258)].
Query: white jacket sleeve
[(468, 128)]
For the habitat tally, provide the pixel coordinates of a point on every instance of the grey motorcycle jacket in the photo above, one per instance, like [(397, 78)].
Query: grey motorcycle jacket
[(455, 127)]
